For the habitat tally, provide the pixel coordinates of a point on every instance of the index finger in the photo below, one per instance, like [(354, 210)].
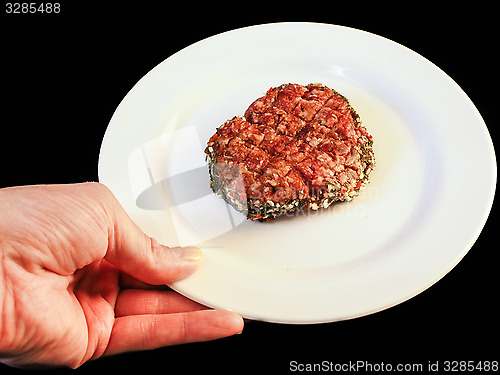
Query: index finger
[(151, 331)]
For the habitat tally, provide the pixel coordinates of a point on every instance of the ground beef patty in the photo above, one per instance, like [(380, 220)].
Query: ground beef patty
[(297, 148)]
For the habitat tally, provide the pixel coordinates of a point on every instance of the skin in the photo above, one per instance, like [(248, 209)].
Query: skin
[(77, 277)]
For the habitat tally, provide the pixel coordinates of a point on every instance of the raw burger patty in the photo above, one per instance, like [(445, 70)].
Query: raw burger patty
[(297, 148)]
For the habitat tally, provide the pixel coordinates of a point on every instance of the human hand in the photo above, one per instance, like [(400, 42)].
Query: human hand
[(63, 251)]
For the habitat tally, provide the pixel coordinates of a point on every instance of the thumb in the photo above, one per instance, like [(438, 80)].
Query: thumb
[(143, 257)]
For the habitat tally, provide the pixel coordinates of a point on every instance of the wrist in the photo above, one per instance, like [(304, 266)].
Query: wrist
[(7, 321), (3, 334)]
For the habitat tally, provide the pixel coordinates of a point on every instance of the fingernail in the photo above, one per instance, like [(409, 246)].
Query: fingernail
[(238, 321), (187, 254)]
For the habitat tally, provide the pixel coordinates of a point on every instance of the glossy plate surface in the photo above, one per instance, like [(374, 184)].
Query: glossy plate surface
[(414, 221)]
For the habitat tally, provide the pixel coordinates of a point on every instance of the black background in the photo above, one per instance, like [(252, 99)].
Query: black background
[(63, 75)]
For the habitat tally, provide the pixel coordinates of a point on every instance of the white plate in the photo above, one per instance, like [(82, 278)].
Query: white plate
[(428, 199)]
